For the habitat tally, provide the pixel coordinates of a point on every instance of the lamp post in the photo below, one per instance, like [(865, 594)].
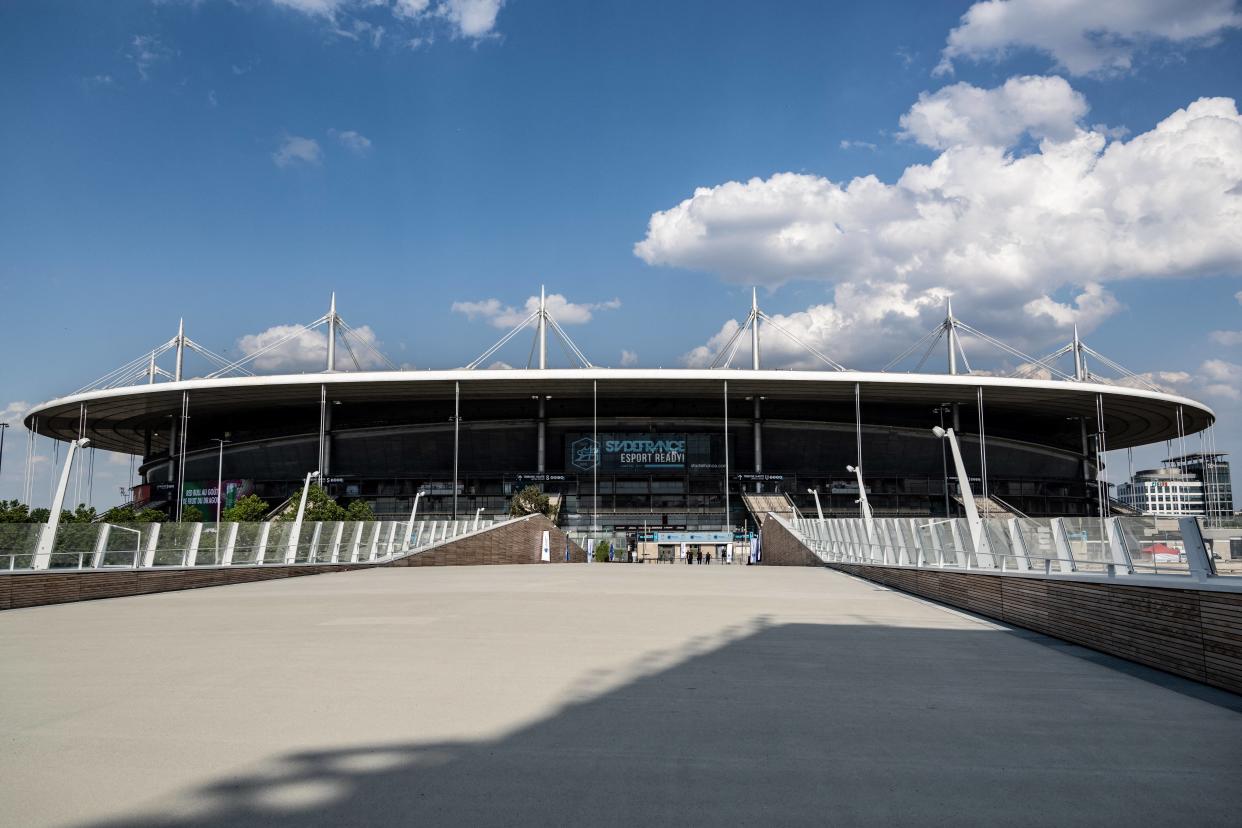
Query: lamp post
[(3, 428), (963, 484), (477, 512), (291, 554), (864, 505), (409, 530), (219, 488), (818, 509)]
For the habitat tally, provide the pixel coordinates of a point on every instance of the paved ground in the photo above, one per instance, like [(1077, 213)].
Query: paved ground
[(585, 695)]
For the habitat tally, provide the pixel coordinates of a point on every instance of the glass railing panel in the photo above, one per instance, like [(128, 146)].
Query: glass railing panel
[(127, 543), (174, 540), (1087, 543), (75, 543), (18, 542), (1155, 544), (1000, 544), (278, 536), (1038, 543), (246, 543)]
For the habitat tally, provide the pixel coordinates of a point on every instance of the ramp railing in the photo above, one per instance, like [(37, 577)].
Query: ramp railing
[(94, 546), (1131, 547)]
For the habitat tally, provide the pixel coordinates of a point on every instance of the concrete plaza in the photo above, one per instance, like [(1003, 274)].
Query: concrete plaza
[(588, 694)]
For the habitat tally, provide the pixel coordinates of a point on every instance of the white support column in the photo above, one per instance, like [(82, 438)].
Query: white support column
[(191, 552), (332, 333), (1021, 556), (153, 542), (47, 536), (543, 330), (373, 549), (180, 364), (337, 534), (1122, 561), (355, 544), (312, 554), (260, 544), (295, 535), (754, 329), (1060, 542), (933, 541), (916, 540), (392, 538), (418, 536), (226, 557), (101, 546)]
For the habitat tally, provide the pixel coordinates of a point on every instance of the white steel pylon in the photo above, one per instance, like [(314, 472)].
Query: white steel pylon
[(1079, 351), (542, 318), (724, 357)]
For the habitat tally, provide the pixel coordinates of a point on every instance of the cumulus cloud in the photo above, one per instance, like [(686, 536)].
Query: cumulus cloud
[(629, 359), (295, 149), (1008, 235), (860, 326), (307, 350), (562, 310), (416, 20), (867, 145), (964, 115), (1084, 36), (353, 141), (1221, 378)]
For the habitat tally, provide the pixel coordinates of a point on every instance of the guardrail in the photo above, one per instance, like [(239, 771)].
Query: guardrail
[(1134, 547), (112, 546)]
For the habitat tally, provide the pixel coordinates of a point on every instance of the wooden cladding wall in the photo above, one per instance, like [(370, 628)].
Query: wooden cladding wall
[(1189, 632), (518, 542)]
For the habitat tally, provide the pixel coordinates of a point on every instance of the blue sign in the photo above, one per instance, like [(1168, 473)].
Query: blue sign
[(692, 537)]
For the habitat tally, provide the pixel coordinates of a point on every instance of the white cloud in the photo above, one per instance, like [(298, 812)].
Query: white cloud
[(97, 81), (1227, 338), (964, 115), (629, 359), (506, 316), (1084, 36), (867, 145), (1221, 379), (295, 149), (861, 326), (353, 141), (1238, 296), (1004, 234), (212, 101), (416, 20), (1092, 306), (471, 18), (145, 51), (307, 351)]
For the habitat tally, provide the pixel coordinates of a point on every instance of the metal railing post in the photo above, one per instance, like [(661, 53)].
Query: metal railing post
[(1060, 541), (1020, 556), (190, 557), (1197, 557), (101, 546), (337, 534), (260, 547), (1123, 563), (153, 542), (230, 543)]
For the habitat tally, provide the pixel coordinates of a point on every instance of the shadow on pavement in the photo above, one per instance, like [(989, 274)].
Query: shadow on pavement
[(794, 724)]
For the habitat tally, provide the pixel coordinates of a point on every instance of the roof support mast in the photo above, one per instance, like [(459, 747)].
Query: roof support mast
[(543, 329), (951, 327), (332, 333), (180, 350), (754, 329)]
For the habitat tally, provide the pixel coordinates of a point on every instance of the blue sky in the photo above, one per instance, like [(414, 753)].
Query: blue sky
[(235, 162)]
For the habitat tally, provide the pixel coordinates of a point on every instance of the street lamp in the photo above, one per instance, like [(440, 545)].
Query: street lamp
[(963, 485), (818, 509), (3, 428), (291, 555), (219, 488), (864, 505), (409, 530), (477, 512)]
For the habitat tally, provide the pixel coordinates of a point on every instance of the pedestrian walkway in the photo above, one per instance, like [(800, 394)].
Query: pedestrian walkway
[(608, 694)]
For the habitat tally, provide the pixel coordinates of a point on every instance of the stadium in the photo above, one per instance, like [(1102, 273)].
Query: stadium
[(620, 449)]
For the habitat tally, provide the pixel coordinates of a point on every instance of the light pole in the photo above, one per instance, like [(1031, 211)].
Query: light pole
[(963, 484), (409, 530), (291, 555), (864, 505), (944, 457), (219, 488), (818, 509), (477, 512), (3, 428)]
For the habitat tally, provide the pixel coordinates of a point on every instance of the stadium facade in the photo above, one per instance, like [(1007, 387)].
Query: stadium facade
[(620, 448)]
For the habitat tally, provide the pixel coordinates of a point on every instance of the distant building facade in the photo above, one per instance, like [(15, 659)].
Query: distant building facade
[(1167, 492), (1212, 470)]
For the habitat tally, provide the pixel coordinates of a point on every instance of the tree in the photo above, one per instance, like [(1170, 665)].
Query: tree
[(40, 515), (14, 511), (250, 509), (601, 552), (191, 514), (319, 506), (359, 510), (127, 514), (530, 501), (82, 514)]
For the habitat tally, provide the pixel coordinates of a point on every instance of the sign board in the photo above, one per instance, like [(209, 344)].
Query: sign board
[(545, 551), (655, 451), (757, 477), (539, 477), (204, 493), (692, 537)]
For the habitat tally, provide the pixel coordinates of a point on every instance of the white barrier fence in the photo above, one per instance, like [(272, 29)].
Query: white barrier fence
[(1117, 546), (144, 545)]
